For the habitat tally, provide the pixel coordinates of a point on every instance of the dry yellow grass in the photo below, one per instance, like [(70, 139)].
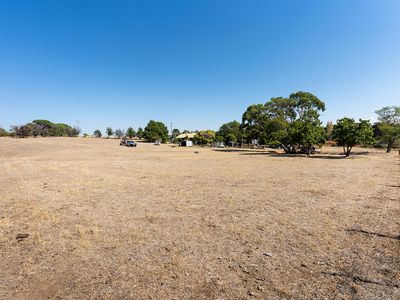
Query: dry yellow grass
[(112, 222)]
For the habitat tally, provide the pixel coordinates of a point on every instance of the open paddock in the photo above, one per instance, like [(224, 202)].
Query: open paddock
[(162, 222)]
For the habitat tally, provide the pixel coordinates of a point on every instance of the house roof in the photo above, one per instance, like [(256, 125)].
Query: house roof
[(186, 135)]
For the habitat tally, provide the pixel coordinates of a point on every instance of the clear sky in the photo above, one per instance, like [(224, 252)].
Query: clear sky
[(195, 63)]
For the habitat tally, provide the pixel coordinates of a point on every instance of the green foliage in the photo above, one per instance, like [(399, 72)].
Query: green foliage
[(254, 121), (229, 129), (22, 131), (175, 133), (97, 133), (329, 131), (140, 133), (347, 133), (155, 131), (85, 135), (365, 133), (389, 114), (109, 131), (293, 122), (231, 138), (204, 137), (388, 127), (47, 128), (3, 132), (130, 132), (219, 138)]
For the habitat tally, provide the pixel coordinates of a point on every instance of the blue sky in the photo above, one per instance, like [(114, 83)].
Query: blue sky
[(197, 64)]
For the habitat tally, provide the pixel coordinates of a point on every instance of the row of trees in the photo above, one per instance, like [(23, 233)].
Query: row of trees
[(154, 131), (293, 124), (41, 128)]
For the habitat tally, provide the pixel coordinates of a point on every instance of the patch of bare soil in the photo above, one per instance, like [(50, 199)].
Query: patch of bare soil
[(86, 218)]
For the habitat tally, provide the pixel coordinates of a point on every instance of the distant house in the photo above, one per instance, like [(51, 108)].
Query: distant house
[(185, 139), (186, 143), (185, 136)]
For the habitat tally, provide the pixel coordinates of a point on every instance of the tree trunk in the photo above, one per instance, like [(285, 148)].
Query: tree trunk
[(286, 149), (348, 151), (389, 147)]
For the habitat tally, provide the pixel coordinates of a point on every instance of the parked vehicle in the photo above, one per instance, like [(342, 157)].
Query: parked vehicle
[(127, 143), (157, 143), (130, 143)]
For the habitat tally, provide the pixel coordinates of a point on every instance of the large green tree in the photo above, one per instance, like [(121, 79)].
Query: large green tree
[(348, 133), (388, 127), (47, 128), (292, 123), (155, 131)]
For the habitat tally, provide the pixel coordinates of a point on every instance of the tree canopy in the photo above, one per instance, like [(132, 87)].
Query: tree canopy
[(347, 133), (130, 132), (231, 131), (204, 137), (97, 133), (292, 123), (44, 128), (109, 131), (155, 131), (388, 127)]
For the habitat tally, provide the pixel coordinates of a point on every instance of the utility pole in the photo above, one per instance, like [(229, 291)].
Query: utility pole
[(171, 132), (77, 126)]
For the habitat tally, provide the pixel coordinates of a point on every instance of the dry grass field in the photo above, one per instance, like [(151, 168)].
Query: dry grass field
[(110, 222)]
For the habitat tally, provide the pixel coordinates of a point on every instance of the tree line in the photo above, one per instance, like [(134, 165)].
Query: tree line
[(43, 128), (291, 123)]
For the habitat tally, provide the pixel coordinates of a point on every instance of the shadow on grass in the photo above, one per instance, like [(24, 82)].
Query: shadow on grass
[(236, 150), (273, 153)]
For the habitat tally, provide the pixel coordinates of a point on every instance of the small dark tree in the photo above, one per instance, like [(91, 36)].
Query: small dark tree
[(109, 131), (130, 132), (140, 133), (329, 131), (119, 133), (175, 133), (97, 133)]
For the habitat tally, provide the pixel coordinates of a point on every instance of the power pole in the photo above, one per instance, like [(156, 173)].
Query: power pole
[(171, 132), (77, 126)]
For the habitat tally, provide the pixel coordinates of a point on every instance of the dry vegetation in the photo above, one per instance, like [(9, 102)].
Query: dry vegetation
[(112, 222)]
